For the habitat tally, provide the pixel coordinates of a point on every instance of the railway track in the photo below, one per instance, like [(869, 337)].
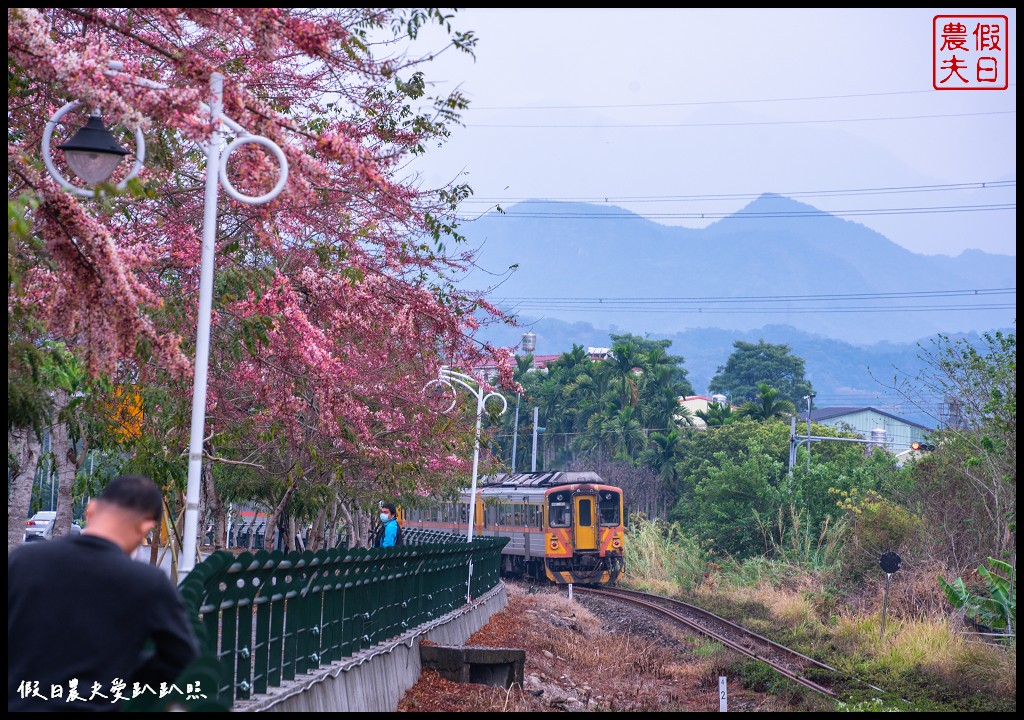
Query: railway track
[(797, 667)]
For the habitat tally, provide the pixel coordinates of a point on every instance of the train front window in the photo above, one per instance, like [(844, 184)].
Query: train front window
[(585, 507), (559, 515), (608, 508)]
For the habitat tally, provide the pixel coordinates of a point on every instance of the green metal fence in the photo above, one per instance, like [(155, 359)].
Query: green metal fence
[(262, 618)]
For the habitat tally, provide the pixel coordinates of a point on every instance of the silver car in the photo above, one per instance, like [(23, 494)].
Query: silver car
[(38, 524), (48, 534), (45, 522)]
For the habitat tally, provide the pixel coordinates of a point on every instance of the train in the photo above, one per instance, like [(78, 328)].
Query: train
[(567, 527)]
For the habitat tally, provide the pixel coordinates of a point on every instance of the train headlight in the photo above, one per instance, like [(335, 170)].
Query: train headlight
[(616, 543), (554, 544)]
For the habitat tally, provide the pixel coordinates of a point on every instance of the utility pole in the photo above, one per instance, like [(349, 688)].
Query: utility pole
[(533, 463), (792, 444), (529, 346), (515, 433), (808, 398)]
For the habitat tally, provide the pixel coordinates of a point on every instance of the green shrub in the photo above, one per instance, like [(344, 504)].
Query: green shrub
[(876, 526)]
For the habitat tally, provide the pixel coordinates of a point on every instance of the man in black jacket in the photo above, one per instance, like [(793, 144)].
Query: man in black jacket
[(85, 622)]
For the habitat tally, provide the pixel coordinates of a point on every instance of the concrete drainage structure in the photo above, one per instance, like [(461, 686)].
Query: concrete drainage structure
[(496, 667)]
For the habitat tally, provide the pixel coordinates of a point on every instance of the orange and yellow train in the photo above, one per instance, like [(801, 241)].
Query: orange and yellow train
[(566, 526)]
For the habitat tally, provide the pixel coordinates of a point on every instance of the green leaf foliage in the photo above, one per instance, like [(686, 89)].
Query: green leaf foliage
[(998, 608), (751, 364)]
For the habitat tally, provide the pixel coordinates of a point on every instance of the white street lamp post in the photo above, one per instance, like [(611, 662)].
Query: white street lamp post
[(447, 376), (216, 175)]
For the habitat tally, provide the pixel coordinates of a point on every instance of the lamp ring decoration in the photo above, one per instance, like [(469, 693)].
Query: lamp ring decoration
[(447, 377), (440, 382), (140, 154), (281, 160)]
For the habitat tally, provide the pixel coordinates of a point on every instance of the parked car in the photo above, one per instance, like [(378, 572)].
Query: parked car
[(48, 535), (38, 524), (46, 523)]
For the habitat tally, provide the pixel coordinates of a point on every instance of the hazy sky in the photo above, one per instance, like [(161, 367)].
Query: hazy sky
[(677, 113)]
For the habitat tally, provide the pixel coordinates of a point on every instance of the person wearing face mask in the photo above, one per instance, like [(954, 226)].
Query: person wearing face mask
[(388, 532)]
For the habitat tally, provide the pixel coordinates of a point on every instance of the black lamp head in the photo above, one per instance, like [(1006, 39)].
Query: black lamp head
[(94, 137), (93, 152)]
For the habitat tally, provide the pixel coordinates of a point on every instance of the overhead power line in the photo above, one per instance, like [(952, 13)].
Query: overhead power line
[(898, 189), (790, 298), (767, 311), (738, 124), (741, 215), (886, 302), (700, 103)]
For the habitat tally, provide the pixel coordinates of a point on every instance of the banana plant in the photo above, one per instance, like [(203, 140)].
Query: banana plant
[(999, 609)]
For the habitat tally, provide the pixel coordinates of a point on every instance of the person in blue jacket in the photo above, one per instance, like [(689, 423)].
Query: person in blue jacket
[(387, 532)]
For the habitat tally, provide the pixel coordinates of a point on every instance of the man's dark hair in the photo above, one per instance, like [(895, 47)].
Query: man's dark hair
[(136, 493), (390, 507)]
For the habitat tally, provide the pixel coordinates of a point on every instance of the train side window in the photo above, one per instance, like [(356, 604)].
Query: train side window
[(608, 508), (536, 517)]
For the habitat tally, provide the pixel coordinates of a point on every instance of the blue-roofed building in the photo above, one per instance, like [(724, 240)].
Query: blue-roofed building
[(899, 432)]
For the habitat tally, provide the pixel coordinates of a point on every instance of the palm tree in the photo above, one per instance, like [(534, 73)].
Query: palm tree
[(716, 415), (624, 358), (574, 359), (767, 405), (662, 453), (524, 363), (626, 435), (583, 396)]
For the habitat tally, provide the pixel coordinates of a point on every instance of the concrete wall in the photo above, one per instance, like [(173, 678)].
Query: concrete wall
[(376, 679)]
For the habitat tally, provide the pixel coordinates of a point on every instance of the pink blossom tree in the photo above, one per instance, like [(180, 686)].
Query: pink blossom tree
[(333, 305)]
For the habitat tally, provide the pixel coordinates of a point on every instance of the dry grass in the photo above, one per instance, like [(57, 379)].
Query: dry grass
[(982, 666), (790, 608), (914, 592), (932, 646), (922, 643)]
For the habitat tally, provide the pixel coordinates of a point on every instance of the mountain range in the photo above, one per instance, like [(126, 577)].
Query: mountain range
[(856, 306), (775, 262)]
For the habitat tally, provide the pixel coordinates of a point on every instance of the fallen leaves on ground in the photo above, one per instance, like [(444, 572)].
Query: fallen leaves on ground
[(577, 661)]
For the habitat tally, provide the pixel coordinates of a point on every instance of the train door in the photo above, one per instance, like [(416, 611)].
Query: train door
[(586, 523)]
